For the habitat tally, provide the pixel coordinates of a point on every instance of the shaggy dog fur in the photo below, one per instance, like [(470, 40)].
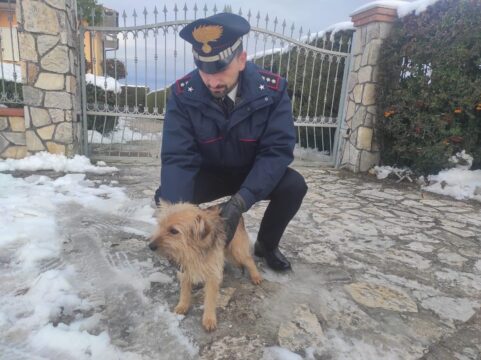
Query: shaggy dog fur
[(194, 239)]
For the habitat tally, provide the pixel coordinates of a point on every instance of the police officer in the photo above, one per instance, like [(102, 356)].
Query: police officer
[(229, 131)]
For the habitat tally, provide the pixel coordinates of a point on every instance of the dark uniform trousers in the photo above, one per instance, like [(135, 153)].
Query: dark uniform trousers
[(285, 199)]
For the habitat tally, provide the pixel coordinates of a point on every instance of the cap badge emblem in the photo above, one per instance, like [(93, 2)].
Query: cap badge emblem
[(207, 33)]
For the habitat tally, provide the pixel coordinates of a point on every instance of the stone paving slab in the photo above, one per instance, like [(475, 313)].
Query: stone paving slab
[(380, 271)]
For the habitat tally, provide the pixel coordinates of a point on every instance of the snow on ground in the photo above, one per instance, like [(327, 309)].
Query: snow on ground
[(8, 69), (59, 163), (122, 133), (34, 297), (459, 182), (309, 154)]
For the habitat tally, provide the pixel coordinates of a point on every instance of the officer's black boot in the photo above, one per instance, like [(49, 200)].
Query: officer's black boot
[(274, 259)]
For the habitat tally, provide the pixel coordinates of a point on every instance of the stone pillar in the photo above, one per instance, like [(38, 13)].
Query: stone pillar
[(48, 53), (360, 151)]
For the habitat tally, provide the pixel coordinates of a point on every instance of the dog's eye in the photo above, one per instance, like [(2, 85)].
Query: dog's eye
[(173, 231)]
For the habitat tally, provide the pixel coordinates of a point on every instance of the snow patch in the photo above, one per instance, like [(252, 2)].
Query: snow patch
[(459, 183), (58, 163), (417, 7), (403, 7), (104, 82)]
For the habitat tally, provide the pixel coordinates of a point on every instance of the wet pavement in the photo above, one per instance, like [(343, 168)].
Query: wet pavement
[(380, 271)]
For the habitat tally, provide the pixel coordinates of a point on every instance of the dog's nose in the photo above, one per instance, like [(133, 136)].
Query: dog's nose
[(153, 246)]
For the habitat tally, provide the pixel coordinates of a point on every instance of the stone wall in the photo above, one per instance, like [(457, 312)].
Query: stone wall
[(12, 134), (48, 54), (359, 150)]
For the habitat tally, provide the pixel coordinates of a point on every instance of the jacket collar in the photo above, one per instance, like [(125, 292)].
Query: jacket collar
[(251, 86)]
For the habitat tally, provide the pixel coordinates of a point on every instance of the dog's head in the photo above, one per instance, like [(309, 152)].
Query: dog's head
[(184, 230)]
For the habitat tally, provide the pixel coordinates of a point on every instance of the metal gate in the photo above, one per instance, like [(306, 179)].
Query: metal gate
[(126, 72)]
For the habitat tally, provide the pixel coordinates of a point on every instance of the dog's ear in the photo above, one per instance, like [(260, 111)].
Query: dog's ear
[(202, 227)]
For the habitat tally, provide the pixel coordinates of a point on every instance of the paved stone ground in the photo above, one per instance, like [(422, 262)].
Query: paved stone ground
[(381, 271)]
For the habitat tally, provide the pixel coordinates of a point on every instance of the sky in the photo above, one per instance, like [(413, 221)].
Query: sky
[(308, 14), (311, 14)]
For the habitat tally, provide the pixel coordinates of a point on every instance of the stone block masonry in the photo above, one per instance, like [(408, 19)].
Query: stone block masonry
[(12, 134), (360, 150), (48, 54)]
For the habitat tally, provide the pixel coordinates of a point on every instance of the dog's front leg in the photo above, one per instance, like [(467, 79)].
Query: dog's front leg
[(185, 294), (211, 291)]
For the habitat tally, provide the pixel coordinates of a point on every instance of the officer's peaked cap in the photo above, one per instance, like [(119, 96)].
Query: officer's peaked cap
[(215, 40)]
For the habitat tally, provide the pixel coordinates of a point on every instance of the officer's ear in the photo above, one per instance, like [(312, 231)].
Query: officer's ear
[(242, 59)]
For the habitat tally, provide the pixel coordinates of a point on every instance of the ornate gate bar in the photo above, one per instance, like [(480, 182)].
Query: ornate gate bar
[(123, 117)]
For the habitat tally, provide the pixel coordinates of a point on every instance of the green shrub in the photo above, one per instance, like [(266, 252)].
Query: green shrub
[(429, 90)]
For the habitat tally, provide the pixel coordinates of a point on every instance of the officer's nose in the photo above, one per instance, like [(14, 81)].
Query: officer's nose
[(153, 246), (213, 82)]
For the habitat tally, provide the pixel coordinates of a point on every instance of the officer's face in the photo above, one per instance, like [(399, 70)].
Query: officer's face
[(221, 83)]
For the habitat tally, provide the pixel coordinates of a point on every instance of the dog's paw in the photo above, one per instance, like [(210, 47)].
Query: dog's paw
[(181, 309), (209, 323), (256, 279)]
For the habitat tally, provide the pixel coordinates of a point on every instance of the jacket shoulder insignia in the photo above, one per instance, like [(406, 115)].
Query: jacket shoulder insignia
[(181, 84), (273, 80)]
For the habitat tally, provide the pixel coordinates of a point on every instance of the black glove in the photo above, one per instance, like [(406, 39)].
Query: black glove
[(231, 211)]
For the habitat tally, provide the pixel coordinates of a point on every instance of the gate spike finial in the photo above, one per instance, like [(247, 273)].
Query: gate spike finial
[(205, 10), (240, 12), (258, 18), (176, 10), (185, 11), (145, 15), (275, 23), (124, 16), (249, 14), (215, 9), (165, 12), (284, 26), (195, 11), (267, 20)]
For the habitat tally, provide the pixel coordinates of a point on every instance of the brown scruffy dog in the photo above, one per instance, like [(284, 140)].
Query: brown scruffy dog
[(194, 238)]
